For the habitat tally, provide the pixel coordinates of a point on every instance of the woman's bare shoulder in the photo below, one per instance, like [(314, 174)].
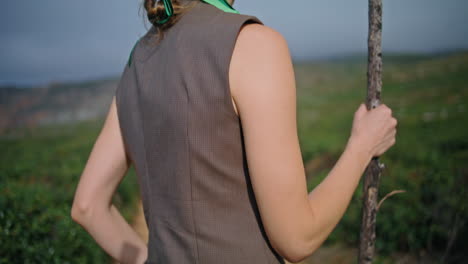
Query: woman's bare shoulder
[(257, 35), (258, 28), (260, 56)]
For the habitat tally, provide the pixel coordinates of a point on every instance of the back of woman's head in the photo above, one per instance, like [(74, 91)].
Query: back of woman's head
[(156, 13)]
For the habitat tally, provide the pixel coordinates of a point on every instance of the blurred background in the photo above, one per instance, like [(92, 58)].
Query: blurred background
[(60, 62)]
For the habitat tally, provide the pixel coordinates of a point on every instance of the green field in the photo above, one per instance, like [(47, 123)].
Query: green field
[(429, 97), (39, 168)]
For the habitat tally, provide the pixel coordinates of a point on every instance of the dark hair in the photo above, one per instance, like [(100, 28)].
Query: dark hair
[(156, 12)]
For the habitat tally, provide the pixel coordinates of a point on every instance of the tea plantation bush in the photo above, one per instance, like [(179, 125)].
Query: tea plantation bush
[(39, 174), (429, 160)]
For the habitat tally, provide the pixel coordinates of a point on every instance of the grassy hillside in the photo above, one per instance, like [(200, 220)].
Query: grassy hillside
[(40, 167), (429, 98), (39, 171)]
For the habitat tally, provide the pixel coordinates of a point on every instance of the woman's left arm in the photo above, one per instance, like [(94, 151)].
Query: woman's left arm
[(92, 205)]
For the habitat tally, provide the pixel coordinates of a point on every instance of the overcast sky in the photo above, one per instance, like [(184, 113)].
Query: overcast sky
[(59, 40)]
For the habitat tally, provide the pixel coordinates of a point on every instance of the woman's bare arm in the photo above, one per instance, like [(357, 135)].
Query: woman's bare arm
[(263, 87), (92, 206)]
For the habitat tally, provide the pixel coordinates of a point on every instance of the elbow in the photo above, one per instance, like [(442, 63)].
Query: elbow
[(80, 211), (295, 251)]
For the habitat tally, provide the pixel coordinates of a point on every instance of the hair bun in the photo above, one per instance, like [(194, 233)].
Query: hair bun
[(161, 18)]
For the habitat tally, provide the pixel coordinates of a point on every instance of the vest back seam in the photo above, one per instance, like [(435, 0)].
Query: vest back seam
[(191, 185)]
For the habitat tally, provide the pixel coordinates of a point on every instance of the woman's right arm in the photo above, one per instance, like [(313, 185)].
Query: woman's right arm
[(263, 87)]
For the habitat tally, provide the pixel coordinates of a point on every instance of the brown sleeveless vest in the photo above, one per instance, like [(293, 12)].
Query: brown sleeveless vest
[(185, 141)]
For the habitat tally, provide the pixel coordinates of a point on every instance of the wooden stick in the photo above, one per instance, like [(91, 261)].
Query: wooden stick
[(374, 169)]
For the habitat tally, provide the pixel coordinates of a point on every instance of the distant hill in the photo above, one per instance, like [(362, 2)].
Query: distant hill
[(389, 57), (54, 103), (70, 102)]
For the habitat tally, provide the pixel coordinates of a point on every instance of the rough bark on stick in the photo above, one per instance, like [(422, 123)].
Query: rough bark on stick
[(374, 168)]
